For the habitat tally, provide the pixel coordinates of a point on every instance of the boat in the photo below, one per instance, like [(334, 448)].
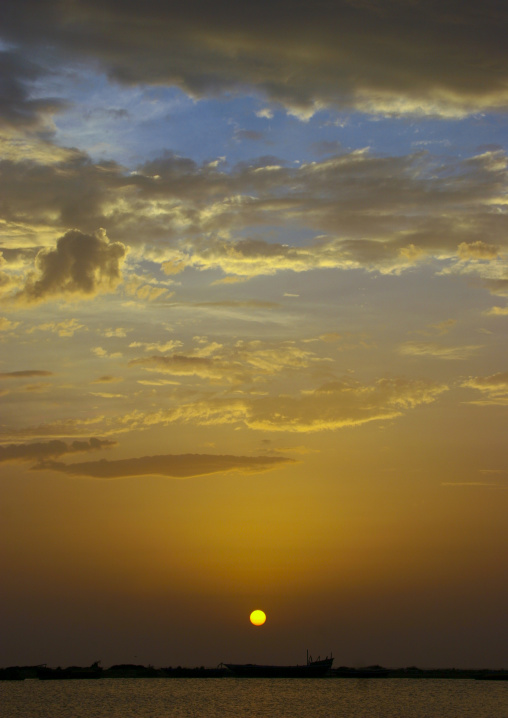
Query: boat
[(312, 669)]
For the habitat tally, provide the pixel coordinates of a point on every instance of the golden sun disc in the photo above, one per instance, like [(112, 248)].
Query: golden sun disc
[(257, 617)]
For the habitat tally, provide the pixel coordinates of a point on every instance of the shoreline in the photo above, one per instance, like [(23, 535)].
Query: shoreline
[(94, 672)]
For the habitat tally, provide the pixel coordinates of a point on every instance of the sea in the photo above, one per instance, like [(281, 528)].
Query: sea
[(254, 698)]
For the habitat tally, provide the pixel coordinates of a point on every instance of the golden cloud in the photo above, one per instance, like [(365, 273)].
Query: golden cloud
[(7, 325), (334, 405), (497, 311), (438, 351), (65, 328), (478, 250), (239, 363), (180, 365), (493, 387)]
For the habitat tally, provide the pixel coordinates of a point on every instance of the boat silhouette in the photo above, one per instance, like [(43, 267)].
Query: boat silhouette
[(312, 669)]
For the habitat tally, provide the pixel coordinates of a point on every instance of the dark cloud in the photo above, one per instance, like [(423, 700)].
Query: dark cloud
[(68, 193), (17, 108), (80, 264), (176, 466), (437, 56), (40, 451), (24, 374)]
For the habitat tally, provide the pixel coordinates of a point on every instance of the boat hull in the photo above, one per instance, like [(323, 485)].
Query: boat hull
[(316, 669)]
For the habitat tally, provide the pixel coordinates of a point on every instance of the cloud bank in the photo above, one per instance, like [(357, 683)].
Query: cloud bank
[(446, 58), (180, 215)]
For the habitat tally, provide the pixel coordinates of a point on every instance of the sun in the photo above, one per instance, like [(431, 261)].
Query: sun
[(257, 617)]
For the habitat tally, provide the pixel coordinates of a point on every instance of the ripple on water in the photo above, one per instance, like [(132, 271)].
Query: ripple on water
[(253, 698)]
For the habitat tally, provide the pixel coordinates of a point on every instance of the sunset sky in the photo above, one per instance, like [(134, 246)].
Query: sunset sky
[(253, 331)]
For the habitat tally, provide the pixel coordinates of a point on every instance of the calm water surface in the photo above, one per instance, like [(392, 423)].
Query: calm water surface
[(253, 698)]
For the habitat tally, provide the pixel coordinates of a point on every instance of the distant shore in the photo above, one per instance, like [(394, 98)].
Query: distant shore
[(127, 670)]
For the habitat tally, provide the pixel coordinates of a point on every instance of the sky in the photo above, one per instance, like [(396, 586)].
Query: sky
[(253, 346)]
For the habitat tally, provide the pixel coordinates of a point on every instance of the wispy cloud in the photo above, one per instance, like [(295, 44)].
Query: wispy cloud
[(39, 451), (331, 406), (25, 373), (65, 328), (494, 388), (439, 351)]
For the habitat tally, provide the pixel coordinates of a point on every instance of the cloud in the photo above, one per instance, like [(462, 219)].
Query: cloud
[(185, 216), (444, 327), (170, 465), (172, 267), (107, 379), (497, 312), (478, 250), (180, 365), (146, 289), (18, 109), (7, 325), (419, 209), (493, 387), (246, 361), (157, 346), (24, 373), (332, 406), (341, 404), (104, 354), (36, 388), (60, 428), (65, 328), (239, 303), (116, 332), (264, 358), (40, 451), (106, 395), (445, 58), (438, 351), (80, 265)]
